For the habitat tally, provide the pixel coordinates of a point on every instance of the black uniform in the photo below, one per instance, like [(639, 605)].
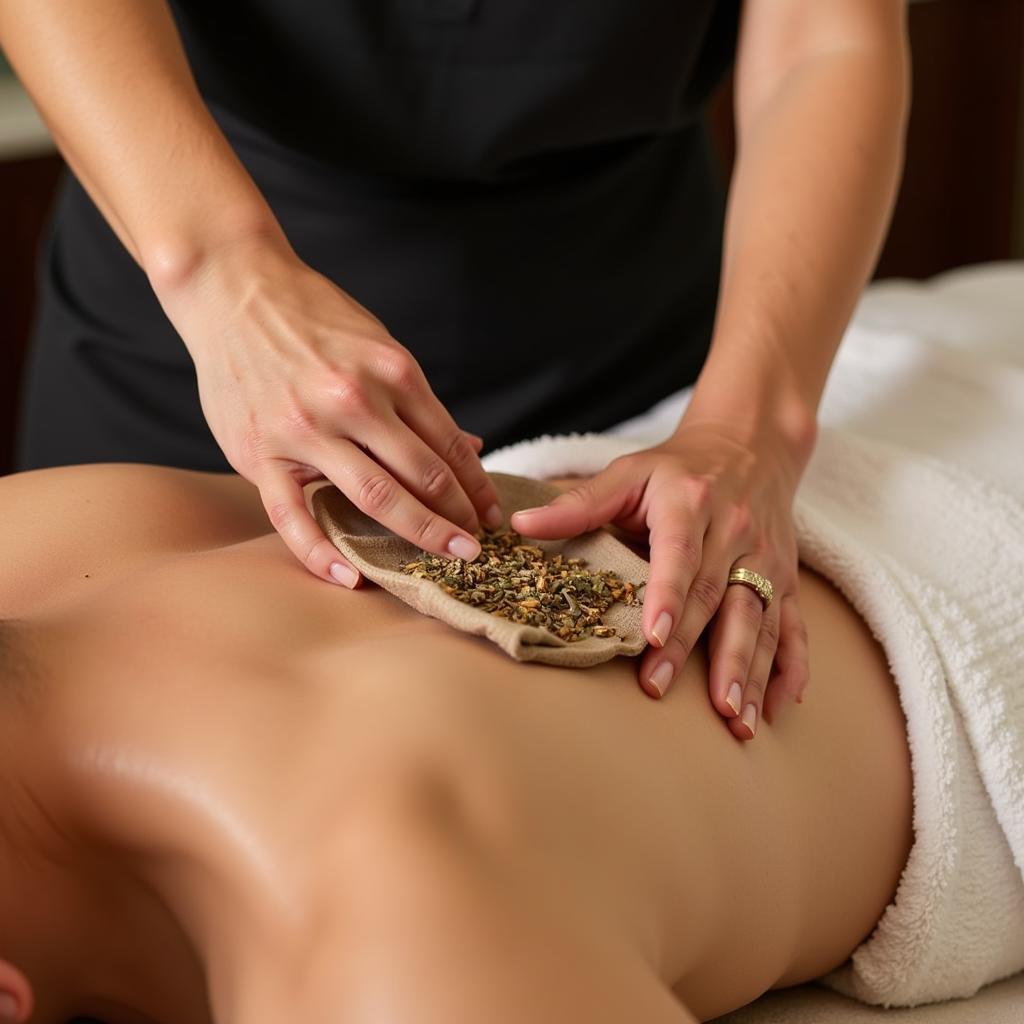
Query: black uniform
[(523, 191)]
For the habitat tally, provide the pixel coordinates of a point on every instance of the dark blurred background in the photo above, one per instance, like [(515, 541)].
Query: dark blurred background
[(962, 198)]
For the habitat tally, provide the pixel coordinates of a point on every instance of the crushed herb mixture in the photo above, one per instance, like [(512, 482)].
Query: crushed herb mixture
[(523, 583)]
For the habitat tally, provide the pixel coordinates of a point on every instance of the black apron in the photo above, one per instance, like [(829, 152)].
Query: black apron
[(524, 192)]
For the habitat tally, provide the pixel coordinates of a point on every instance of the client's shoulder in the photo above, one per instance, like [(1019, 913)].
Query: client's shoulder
[(62, 527)]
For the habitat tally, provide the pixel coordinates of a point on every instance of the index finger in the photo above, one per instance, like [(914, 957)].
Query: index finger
[(376, 493), (426, 416), (285, 502), (677, 532)]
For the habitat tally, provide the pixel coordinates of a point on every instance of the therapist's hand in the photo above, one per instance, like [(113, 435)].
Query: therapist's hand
[(299, 382), (707, 502)]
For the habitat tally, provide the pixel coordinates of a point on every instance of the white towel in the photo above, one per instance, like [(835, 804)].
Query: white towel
[(913, 505)]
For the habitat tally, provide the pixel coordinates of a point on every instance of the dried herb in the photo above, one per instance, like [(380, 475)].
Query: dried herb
[(525, 584)]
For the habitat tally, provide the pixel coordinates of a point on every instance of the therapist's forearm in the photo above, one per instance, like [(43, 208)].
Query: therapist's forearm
[(814, 184), (111, 80)]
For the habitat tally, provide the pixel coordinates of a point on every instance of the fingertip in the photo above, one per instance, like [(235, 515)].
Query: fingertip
[(529, 525), (732, 700), (466, 548), (650, 689), (738, 730), (493, 517), (298, 529), (549, 522), (795, 685), (344, 574), (659, 680), (749, 719), (528, 512), (662, 629)]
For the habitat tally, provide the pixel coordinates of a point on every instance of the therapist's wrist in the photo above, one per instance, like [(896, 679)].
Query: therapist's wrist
[(185, 259), (760, 412), (204, 285)]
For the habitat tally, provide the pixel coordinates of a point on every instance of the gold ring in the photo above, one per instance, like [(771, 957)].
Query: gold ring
[(761, 585)]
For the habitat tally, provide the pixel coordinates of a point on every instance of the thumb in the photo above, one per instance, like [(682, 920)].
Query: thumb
[(588, 505)]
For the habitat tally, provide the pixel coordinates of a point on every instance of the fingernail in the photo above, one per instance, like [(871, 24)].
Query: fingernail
[(8, 1008), (749, 718), (528, 511), (734, 697), (492, 517), (662, 628), (463, 547), (661, 677), (343, 574)]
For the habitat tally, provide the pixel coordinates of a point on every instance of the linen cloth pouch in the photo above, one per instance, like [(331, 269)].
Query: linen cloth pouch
[(379, 554)]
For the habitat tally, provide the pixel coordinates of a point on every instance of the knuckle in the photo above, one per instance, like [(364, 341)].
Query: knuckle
[(697, 492), (758, 685), (377, 494), (769, 637), (798, 631), (436, 479), (759, 540), (458, 450), (481, 485), (255, 445), (677, 648), (683, 549), (740, 526), (675, 589), (280, 515), (737, 661), (298, 420), (401, 370), (425, 529), (747, 606), (707, 593), (580, 494), (310, 558), (349, 394)]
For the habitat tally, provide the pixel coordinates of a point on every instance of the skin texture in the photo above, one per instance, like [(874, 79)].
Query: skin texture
[(299, 381), (225, 781)]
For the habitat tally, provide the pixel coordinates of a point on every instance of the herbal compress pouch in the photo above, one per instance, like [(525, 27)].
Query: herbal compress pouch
[(379, 554)]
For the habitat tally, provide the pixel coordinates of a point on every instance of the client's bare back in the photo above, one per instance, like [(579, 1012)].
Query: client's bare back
[(376, 761)]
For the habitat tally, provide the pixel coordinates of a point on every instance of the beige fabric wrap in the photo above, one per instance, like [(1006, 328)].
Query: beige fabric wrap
[(378, 554)]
